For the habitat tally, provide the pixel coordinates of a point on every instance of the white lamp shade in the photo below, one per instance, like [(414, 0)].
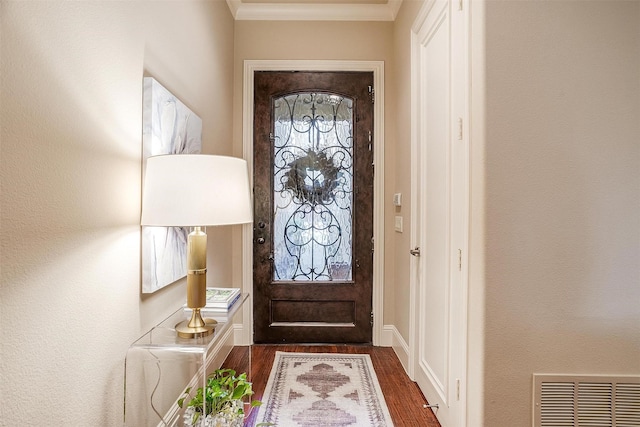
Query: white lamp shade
[(195, 190)]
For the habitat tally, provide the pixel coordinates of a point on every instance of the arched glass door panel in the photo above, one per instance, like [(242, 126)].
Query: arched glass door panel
[(313, 187)]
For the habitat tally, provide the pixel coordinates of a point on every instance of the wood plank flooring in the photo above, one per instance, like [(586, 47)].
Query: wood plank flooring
[(403, 397)]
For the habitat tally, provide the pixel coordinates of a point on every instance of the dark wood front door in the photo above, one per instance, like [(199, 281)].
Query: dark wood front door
[(313, 219)]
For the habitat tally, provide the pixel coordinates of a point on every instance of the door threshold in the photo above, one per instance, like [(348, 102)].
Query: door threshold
[(313, 324)]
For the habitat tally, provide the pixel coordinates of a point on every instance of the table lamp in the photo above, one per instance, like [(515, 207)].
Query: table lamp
[(197, 191)]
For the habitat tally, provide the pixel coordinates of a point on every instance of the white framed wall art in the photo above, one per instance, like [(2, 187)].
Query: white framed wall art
[(169, 127)]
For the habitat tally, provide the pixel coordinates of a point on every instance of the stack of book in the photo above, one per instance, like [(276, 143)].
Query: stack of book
[(219, 302)]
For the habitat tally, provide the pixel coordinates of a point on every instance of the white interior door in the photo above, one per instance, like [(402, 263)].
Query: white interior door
[(439, 215)]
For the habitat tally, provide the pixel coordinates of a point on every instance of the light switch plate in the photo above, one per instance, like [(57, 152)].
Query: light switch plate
[(398, 225), (397, 199)]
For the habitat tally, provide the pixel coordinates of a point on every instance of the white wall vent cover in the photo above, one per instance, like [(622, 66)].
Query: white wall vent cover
[(586, 401)]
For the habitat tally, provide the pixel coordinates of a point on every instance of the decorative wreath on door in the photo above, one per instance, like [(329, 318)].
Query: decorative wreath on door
[(312, 178)]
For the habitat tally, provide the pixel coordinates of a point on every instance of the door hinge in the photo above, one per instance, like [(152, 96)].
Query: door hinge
[(373, 244), (372, 94), (460, 4), (371, 318), (457, 389), (459, 259), (460, 128), (271, 137)]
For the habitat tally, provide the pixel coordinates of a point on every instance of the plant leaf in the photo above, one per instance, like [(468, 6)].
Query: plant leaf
[(240, 391)]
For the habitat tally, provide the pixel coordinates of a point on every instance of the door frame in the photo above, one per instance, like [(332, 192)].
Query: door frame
[(377, 67)]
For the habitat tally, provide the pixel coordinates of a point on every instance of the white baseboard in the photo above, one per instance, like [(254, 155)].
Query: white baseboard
[(241, 335), (392, 338), (223, 349), (386, 339)]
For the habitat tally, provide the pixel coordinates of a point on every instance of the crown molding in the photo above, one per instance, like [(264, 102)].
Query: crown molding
[(313, 12)]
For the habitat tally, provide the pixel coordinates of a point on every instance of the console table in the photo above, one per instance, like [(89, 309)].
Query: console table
[(160, 366)]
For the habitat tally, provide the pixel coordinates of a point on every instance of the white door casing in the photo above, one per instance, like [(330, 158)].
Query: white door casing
[(439, 216)]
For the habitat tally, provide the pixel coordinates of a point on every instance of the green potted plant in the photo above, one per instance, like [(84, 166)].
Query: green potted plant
[(221, 404)]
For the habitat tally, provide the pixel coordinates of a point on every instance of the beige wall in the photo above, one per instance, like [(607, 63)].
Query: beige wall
[(562, 196), (401, 116), (71, 171), (353, 41)]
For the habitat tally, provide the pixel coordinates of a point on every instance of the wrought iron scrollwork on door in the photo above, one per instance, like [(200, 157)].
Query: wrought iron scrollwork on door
[(313, 187)]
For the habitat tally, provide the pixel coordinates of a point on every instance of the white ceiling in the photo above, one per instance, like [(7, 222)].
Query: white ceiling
[(318, 1), (314, 10)]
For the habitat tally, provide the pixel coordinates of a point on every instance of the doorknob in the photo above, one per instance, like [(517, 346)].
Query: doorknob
[(415, 251)]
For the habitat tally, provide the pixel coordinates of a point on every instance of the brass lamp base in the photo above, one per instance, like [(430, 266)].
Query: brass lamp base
[(196, 327)]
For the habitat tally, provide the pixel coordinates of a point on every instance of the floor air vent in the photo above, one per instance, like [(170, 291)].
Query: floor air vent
[(586, 401)]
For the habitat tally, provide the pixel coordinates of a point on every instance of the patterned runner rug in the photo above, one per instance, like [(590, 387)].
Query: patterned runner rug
[(323, 390)]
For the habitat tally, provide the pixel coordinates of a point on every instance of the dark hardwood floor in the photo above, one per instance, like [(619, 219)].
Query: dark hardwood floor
[(403, 397)]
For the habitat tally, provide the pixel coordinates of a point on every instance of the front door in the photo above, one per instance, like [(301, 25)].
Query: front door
[(313, 219)]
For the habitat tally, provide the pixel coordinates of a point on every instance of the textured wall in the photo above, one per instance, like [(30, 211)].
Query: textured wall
[(71, 82), (562, 196), (401, 119)]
